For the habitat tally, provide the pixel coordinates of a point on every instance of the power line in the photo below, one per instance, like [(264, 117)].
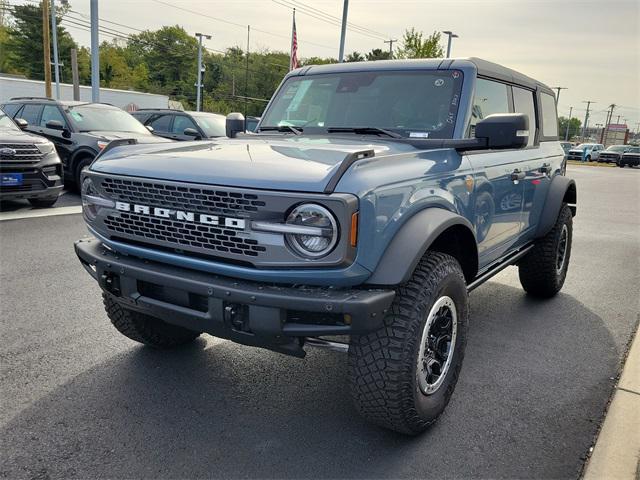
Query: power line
[(228, 22)]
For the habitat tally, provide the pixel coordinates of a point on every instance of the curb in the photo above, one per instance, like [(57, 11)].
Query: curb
[(616, 454)]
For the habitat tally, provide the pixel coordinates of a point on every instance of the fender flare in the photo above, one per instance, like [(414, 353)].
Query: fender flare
[(562, 190), (81, 152), (412, 241)]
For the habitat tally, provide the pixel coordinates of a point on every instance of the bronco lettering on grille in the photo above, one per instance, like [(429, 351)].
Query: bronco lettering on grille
[(205, 219)]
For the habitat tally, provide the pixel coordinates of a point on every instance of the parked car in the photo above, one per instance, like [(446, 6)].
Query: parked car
[(252, 123), (180, 125), (79, 130), (372, 198), (613, 154), (29, 166), (566, 146), (631, 158), (585, 151)]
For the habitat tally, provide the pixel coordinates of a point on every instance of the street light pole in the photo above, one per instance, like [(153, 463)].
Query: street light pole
[(343, 31), (199, 84), (56, 61), (95, 54), (451, 35)]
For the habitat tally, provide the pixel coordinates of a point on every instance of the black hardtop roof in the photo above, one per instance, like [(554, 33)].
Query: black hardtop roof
[(175, 110), (484, 68)]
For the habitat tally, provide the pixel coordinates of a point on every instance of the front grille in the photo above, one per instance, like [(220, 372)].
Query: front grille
[(24, 153), (212, 238), (193, 199)]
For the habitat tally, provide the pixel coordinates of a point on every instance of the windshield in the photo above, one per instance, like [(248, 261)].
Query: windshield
[(88, 118), (420, 104), (211, 124), (6, 123), (617, 148), (634, 150), (582, 146)]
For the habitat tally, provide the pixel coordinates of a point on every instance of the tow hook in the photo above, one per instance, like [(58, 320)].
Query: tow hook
[(235, 318), (110, 283)]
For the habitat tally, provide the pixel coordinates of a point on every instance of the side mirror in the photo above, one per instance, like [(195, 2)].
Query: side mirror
[(192, 132), (150, 128), (504, 130), (21, 123), (55, 125), (235, 124)]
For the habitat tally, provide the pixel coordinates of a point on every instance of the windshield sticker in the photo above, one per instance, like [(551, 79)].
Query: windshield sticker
[(76, 116), (419, 134), (439, 82)]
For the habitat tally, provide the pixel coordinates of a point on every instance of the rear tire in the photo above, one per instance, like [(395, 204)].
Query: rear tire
[(43, 202), (403, 375), (146, 329), (544, 269)]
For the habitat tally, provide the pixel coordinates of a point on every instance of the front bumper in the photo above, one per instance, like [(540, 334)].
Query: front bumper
[(251, 313), (36, 183)]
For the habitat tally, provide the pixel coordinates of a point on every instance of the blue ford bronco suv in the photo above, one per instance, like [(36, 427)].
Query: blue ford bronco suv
[(371, 200)]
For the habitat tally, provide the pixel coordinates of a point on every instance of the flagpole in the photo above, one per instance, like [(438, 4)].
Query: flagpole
[(293, 29)]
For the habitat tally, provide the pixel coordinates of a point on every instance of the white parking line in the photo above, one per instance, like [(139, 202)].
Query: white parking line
[(44, 212)]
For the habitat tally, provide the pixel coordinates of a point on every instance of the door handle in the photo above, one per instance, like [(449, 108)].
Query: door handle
[(545, 168), (517, 175)]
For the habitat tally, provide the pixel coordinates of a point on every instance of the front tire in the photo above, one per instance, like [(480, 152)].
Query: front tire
[(544, 269), (146, 329), (403, 375)]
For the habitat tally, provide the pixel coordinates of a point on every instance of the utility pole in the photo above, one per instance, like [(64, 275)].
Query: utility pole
[(558, 95), (566, 133), (95, 53), (246, 80), (56, 61), (391, 41), (46, 48), (199, 84), (586, 117), (74, 74), (603, 139), (343, 30), (451, 35)]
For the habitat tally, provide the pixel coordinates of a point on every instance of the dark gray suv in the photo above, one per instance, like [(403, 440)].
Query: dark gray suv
[(182, 126)]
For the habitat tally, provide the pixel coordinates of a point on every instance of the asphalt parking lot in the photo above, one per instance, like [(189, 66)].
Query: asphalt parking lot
[(79, 400)]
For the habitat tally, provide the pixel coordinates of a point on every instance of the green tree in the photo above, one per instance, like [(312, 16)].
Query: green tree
[(114, 70), (24, 44), (378, 54), (415, 45), (574, 126), (354, 57)]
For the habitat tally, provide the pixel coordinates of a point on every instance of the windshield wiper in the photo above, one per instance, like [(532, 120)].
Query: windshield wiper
[(282, 128), (364, 131)]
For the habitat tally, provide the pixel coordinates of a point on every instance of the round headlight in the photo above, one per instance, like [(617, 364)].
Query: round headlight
[(318, 232)]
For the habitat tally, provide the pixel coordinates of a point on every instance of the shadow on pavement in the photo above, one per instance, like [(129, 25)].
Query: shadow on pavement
[(216, 410)]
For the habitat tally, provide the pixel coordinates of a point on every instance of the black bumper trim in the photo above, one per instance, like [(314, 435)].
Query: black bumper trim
[(264, 305)]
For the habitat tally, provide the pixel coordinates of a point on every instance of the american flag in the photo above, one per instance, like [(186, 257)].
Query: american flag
[(294, 44)]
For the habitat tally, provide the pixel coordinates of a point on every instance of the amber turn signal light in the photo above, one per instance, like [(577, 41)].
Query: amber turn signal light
[(353, 237)]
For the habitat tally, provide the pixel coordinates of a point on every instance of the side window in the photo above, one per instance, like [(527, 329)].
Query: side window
[(490, 97), (549, 116), (31, 113), (161, 123), (51, 112), (523, 101), (11, 109), (182, 122)]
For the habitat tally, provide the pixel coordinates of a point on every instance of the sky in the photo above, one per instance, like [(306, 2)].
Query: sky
[(591, 47)]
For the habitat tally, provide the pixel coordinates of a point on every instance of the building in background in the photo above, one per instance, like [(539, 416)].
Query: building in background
[(130, 100), (616, 134)]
